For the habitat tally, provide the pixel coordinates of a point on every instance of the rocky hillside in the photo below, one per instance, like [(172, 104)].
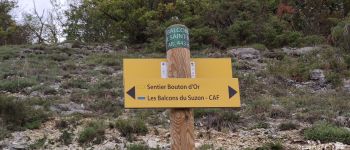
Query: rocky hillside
[(70, 96)]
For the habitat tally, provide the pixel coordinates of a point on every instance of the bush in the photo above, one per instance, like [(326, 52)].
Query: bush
[(38, 144), (206, 147), (341, 33), (106, 106), (312, 40), (128, 127), (137, 147), (334, 79), (258, 46), (261, 124), (326, 132), (287, 126), (18, 114), (4, 133), (216, 118), (288, 38), (105, 59), (261, 105), (15, 85), (66, 137), (94, 132), (271, 146), (75, 83)]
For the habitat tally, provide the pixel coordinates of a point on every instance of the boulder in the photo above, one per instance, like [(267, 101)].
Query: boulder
[(245, 53), (69, 108), (299, 51), (65, 45)]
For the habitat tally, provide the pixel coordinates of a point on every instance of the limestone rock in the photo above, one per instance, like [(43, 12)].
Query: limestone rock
[(69, 108), (299, 51), (317, 74), (346, 85), (245, 53)]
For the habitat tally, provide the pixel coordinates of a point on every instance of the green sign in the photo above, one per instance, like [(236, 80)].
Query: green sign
[(177, 36)]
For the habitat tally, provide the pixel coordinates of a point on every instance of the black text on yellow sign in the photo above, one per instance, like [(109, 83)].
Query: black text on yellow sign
[(182, 93)]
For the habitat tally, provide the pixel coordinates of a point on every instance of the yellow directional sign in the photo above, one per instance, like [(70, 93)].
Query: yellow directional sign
[(213, 86), (182, 93)]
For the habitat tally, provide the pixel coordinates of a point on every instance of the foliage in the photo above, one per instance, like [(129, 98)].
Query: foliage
[(212, 24), (18, 114), (10, 32), (66, 137), (206, 147), (4, 133), (16, 85), (287, 126), (39, 144), (271, 146), (341, 33), (137, 147), (326, 132), (131, 126), (261, 124), (93, 132), (75, 83), (216, 118)]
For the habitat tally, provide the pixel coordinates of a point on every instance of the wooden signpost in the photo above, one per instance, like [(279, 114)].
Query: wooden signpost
[(181, 84), (178, 56)]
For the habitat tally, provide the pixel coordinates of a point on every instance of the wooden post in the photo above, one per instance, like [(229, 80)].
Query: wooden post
[(178, 57)]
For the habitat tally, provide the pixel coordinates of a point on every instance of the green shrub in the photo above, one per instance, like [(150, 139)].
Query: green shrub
[(261, 124), (4, 133), (261, 105), (104, 59), (7, 52), (271, 146), (334, 79), (340, 33), (240, 32), (137, 147), (198, 113), (206, 147), (59, 57), (131, 126), (287, 126), (39, 144), (106, 106), (78, 95), (216, 118), (15, 85), (326, 132), (289, 38), (312, 40), (75, 83), (94, 132), (259, 46), (50, 91), (66, 137), (18, 114)]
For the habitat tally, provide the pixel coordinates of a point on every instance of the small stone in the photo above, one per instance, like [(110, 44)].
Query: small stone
[(317, 74), (346, 86)]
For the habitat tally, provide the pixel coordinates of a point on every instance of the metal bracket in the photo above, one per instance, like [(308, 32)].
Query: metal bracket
[(164, 69)]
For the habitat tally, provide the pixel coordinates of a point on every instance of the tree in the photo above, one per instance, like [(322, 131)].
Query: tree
[(10, 32)]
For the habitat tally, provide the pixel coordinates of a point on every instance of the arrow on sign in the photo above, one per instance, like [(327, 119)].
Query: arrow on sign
[(131, 92), (231, 92)]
